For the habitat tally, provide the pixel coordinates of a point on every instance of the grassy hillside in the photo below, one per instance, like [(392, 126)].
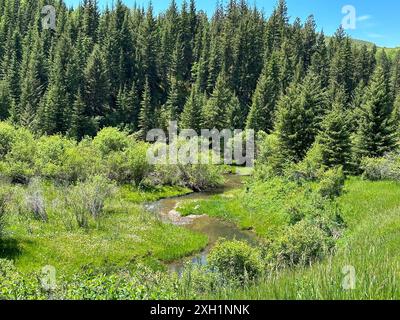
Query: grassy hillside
[(371, 245)]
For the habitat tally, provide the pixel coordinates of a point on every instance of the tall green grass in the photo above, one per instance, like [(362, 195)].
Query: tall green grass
[(371, 245), (123, 236)]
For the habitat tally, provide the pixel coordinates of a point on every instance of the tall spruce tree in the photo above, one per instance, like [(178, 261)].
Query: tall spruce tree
[(96, 86), (375, 135), (262, 112), (81, 123), (334, 137), (218, 112), (191, 117), (146, 117), (298, 117), (6, 100)]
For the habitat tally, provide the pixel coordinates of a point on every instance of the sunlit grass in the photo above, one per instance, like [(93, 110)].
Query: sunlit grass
[(125, 235), (371, 245)]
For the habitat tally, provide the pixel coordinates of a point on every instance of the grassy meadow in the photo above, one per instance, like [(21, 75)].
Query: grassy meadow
[(124, 235), (371, 244)]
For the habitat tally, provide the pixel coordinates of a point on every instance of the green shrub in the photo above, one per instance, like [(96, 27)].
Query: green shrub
[(198, 177), (110, 140), (87, 199), (199, 174), (50, 156), (303, 244), (129, 166), (270, 161), (15, 286), (310, 169), (385, 168), (7, 137), (18, 164), (332, 183), (80, 162), (236, 260), (142, 283), (198, 280)]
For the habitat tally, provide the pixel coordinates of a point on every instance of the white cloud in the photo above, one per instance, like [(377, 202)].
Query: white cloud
[(364, 17)]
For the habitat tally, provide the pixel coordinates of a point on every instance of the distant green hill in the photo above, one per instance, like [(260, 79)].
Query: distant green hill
[(391, 52)]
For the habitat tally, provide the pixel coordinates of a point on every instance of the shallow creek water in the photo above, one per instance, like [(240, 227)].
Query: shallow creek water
[(212, 227)]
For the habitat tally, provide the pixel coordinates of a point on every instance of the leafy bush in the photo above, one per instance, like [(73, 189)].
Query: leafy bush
[(110, 140), (270, 161), (80, 162), (18, 164), (7, 137), (198, 177), (140, 284), (15, 286), (130, 165), (332, 183), (303, 244), (385, 168), (236, 259), (310, 169), (51, 155), (198, 280), (87, 199), (198, 174)]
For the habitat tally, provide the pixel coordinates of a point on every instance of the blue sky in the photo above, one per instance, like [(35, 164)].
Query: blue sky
[(377, 21)]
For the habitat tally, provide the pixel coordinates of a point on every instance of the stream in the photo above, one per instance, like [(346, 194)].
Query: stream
[(212, 227)]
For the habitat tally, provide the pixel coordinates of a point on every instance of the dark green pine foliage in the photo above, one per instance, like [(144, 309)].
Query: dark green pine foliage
[(319, 60), (277, 27), (12, 77), (96, 86), (146, 116), (87, 66), (128, 109), (177, 90), (365, 62), (215, 62), (200, 67), (81, 123), (53, 113), (148, 55), (90, 19), (191, 117), (119, 53), (309, 42), (6, 100), (247, 56), (396, 114), (168, 38), (376, 133), (342, 65), (219, 110), (334, 137), (262, 112), (395, 77), (33, 82), (299, 116)]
